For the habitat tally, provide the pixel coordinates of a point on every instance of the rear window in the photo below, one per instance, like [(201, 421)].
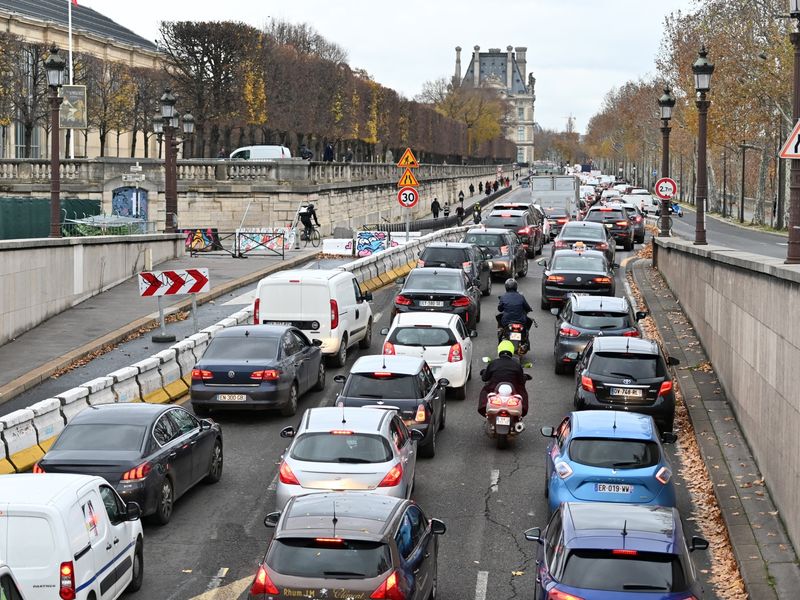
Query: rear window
[(631, 366), (101, 436), (642, 572), (345, 559), (591, 264), (555, 213), (425, 279), (445, 257), (383, 387), (614, 454), (242, 348), (579, 232), (422, 336), (341, 448), (491, 240), (598, 319), (499, 221), (599, 216)]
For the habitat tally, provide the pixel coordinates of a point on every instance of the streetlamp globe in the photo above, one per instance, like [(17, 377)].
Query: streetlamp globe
[(667, 103), (168, 104), (54, 66), (158, 123), (794, 8), (702, 69), (188, 124)]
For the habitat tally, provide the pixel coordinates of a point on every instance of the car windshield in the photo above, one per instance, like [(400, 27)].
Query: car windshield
[(345, 559), (100, 436), (555, 213), (588, 264), (614, 454), (242, 348), (429, 279), (422, 336), (445, 257), (501, 221), (632, 366), (600, 319), (579, 232), (491, 240), (384, 386), (615, 571), (600, 216), (341, 447)]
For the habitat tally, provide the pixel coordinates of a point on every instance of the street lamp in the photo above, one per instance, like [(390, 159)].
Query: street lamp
[(666, 103), (793, 252), (188, 129), (167, 122), (702, 69), (54, 67)]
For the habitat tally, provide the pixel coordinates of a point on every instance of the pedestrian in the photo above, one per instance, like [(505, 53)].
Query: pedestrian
[(480, 187), (460, 213), (348, 156), (496, 185), (461, 197), (306, 153), (328, 155), (222, 153), (435, 208), (471, 190), (446, 209)]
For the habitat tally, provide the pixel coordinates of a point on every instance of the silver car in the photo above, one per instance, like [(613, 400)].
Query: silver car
[(336, 449)]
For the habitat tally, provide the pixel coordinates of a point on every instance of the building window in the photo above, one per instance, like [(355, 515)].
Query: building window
[(521, 155), (521, 114), (19, 141), (520, 134)]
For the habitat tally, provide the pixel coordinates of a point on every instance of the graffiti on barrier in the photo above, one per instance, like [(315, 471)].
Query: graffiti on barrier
[(201, 239), (254, 240), (371, 242)]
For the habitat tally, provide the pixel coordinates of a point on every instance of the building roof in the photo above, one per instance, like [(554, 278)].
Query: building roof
[(494, 69), (83, 18)]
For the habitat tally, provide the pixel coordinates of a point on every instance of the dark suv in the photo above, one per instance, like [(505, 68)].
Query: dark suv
[(475, 261), (626, 373), (616, 221), (526, 223), (558, 217), (508, 255), (593, 235), (581, 318)]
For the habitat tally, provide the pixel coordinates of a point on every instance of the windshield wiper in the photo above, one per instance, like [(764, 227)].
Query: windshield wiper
[(347, 459), (644, 586), (343, 574), (622, 374)]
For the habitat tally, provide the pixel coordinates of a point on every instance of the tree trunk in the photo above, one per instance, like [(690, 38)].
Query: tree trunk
[(28, 125), (103, 133), (758, 213), (134, 133), (118, 135)]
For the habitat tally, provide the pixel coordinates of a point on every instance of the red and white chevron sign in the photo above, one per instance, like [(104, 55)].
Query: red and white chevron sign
[(172, 283)]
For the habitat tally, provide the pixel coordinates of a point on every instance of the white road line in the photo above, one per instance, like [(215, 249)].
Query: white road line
[(377, 316), (495, 479), (481, 585), (216, 581), (273, 485)]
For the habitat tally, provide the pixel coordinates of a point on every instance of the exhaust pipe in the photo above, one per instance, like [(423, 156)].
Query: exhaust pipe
[(519, 426)]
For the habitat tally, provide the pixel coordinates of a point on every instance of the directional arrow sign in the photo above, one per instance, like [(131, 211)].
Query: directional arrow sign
[(791, 148), (408, 160), (408, 179), (173, 282)]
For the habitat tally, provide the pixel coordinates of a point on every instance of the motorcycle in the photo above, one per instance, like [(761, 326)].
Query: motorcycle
[(517, 334), (504, 414), (676, 209)]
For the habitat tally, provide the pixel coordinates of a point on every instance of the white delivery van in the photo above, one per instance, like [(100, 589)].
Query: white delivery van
[(261, 153), (69, 536), (327, 305)]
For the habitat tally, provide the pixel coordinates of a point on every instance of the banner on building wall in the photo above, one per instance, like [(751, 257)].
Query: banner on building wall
[(72, 114)]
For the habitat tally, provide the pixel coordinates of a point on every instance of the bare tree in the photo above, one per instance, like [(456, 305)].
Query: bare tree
[(305, 39)]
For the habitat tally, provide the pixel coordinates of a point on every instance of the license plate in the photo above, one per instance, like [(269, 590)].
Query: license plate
[(503, 421), (609, 226), (435, 303), (515, 337), (613, 488), (231, 397), (631, 393), (286, 323)]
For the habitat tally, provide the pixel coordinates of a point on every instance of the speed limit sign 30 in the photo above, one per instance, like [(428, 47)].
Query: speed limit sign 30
[(666, 188), (408, 197)]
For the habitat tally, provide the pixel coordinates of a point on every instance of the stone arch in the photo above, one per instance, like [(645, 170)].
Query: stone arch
[(147, 189)]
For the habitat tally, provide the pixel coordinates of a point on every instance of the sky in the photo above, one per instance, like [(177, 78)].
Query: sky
[(578, 50)]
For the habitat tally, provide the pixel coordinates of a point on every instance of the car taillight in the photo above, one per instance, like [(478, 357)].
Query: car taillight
[(638, 219), (631, 333), (37, 468), (266, 375), (262, 584), (664, 475), (388, 348), (563, 469), (559, 595), (286, 476), (622, 223), (625, 552), (201, 374), (602, 280), (66, 581), (561, 221), (567, 331), (601, 246), (456, 354), (421, 415), (555, 278), (587, 383), (402, 301), (389, 589), (256, 310), (137, 473), (666, 386), (420, 263), (393, 477), (334, 314), (460, 302), (524, 230)]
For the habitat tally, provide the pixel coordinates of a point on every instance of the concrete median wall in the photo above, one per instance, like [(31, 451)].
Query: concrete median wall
[(744, 309)]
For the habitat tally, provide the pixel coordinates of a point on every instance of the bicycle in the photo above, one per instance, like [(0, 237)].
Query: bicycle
[(314, 238)]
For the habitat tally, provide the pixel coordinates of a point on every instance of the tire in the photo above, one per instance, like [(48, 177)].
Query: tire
[(524, 272), (429, 449), (316, 239), (366, 341), (478, 314), (488, 290), (443, 416), (165, 504), (320, 385), (628, 246), (340, 358), (138, 569), (502, 441), (217, 462), (290, 408)]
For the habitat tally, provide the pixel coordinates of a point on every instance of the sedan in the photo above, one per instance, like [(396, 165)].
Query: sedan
[(571, 271), (151, 453), (257, 367), (440, 290), (631, 206)]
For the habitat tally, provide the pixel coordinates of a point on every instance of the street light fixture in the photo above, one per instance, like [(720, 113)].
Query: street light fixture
[(666, 103), (167, 122), (702, 69), (793, 252), (54, 67)]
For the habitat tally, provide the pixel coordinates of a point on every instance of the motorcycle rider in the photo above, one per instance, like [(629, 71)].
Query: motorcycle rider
[(476, 212), (504, 369), (513, 308)]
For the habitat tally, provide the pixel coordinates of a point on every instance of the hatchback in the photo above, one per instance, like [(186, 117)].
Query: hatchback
[(615, 220), (557, 217), (593, 235), (440, 290), (524, 222), (631, 206), (475, 261), (508, 255), (352, 545)]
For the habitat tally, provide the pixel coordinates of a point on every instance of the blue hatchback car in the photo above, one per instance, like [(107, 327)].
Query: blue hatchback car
[(608, 456), (604, 551)]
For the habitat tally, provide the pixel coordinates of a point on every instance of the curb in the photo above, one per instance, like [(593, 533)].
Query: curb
[(36, 376)]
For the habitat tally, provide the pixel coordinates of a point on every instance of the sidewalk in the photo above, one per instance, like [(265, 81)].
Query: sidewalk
[(766, 558), (114, 314)]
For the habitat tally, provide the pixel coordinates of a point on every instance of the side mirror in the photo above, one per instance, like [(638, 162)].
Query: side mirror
[(417, 435), (205, 424), (548, 432), (672, 361), (133, 511), (400, 281), (385, 331), (641, 315), (554, 311), (438, 527), (668, 437), (367, 296), (444, 382), (316, 342), (271, 520), (340, 378), (542, 262), (473, 334), (698, 543), (528, 377), (534, 535), (288, 432)]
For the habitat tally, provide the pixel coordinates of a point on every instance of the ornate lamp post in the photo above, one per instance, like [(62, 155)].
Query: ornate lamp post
[(793, 253), (702, 69), (54, 66), (666, 104), (167, 123)]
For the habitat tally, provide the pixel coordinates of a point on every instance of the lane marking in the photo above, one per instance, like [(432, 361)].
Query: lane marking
[(246, 298), (229, 591), (216, 580), (495, 479), (273, 485), (481, 585)]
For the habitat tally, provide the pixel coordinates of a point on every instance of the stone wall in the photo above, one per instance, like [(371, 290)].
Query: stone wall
[(745, 310)]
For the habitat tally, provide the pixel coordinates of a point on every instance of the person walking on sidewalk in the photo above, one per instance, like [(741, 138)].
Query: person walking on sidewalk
[(471, 190), (480, 187), (435, 208), (446, 209), (460, 213)]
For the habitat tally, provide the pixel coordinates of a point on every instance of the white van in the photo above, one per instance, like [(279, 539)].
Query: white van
[(327, 305), (261, 153), (9, 588), (69, 536)]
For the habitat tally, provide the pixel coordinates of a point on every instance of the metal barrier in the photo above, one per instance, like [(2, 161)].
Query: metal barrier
[(236, 244)]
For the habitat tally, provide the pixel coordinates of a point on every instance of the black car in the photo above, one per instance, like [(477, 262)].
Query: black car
[(616, 221), (578, 270), (626, 373), (582, 317), (593, 235), (405, 383), (508, 255), (475, 261), (257, 367), (636, 217), (526, 223), (440, 290), (349, 545), (151, 453), (558, 217)]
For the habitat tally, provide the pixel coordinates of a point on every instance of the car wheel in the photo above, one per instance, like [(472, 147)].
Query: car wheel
[(166, 500), (443, 416), (320, 385), (488, 290), (215, 469), (366, 341), (290, 408), (340, 358), (524, 270), (137, 569), (545, 305), (429, 449)]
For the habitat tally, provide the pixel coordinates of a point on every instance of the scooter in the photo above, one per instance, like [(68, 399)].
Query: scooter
[(504, 414), (676, 209)]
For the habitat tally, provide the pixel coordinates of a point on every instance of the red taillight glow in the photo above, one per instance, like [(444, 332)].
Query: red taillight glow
[(341, 432), (381, 374), (137, 473), (393, 477), (421, 414), (632, 333), (606, 209), (638, 219), (460, 302), (262, 584), (666, 386), (567, 331), (556, 278), (256, 310), (389, 589), (37, 468), (285, 475), (456, 354), (559, 595), (587, 383), (561, 221), (516, 327), (66, 581), (524, 230), (201, 374), (601, 246), (604, 280), (334, 314), (388, 348), (625, 552), (622, 223), (402, 301), (266, 375), (330, 541)]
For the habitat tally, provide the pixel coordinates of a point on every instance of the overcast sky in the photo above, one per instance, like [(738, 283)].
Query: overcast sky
[(577, 49)]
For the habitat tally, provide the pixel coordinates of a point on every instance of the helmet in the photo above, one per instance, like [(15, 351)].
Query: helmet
[(310, 206), (511, 285), (505, 346)]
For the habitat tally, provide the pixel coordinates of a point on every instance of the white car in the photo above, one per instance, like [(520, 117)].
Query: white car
[(440, 338), (648, 204)]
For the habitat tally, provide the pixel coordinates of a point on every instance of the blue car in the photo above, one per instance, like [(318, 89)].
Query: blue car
[(608, 456), (603, 551)]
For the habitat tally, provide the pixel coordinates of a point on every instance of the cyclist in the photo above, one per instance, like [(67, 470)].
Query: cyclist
[(306, 214)]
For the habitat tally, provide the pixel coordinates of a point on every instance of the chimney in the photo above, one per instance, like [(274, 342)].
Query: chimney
[(521, 61), (458, 65), (509, 67), (476, 67)]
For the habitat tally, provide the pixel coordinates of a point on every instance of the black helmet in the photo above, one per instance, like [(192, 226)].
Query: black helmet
[(511, 285), (309, 206)]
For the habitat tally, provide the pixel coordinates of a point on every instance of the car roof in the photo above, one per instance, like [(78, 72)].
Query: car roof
[(124, 413), (304, 275), (265, 331), (611, 424), (610, 303), (424, 318), (403, 365), (615, 343), (439, 245), (42, 488), (330, 418)]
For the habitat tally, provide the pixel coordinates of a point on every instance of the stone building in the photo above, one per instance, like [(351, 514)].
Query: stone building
[(505, 72)]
